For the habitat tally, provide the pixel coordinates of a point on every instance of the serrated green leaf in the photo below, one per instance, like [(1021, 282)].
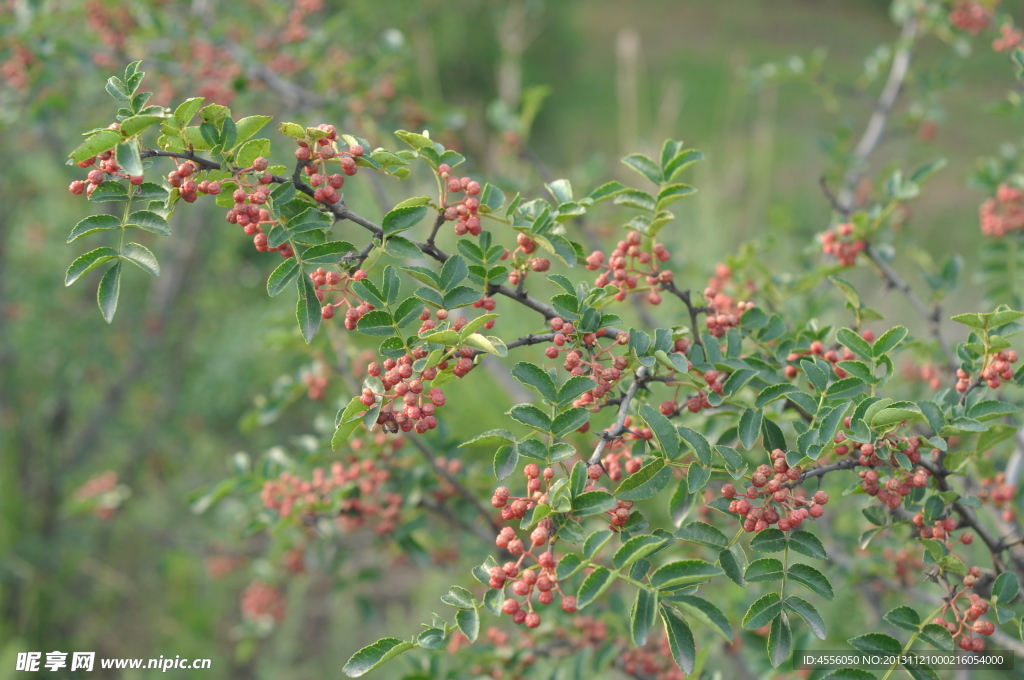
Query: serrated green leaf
[(646, 482), (762, 611), (377, 654)]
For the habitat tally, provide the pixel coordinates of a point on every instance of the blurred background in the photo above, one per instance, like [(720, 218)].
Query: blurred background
[(114, 438)]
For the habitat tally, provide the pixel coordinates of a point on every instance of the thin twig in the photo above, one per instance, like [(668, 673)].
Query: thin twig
[(616, 430)]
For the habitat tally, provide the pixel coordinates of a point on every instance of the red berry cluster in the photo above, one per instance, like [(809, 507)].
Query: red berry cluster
[(627, 263), (584, 355), (781, 505), (247, 211), (539, 579), (841, 244), (618, 456), (407, 403), (832, 356), (188, 189), (338, 282), (462, 212), (513, 507), (262, 602), (290, 495), (970, 16), (522, 265), (942, 529), (997, 369), (1003, 213), (965, 624), (907, 564), (725, 311), (1000, 494), (319, 155), (653, 660), (896, 487), (930, 374), (1009, 38), (316, 381)]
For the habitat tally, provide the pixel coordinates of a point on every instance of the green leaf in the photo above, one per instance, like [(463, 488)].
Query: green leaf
[(87, 262), (127, 155), (116, 88), (453, 271), (460, 296), (683, 572), (537, 378), (407, 311), (401, 219), (248, 126), (642, 616), (593, 503), (1005, 588), (108, 291), (646, 482), (97, 143), (663, 429), (764, 569), (672, 193), (492, 197), (282, 277), (468, 621), (762, 611), (459, 597), (635, 198), (606, 191), (733, 560), (698, 443), (889, 341), (645, 166), (892, 416), (148, 221), (332, 252), (704, 534), (186, 110), (680, 639), (938, 637), (636, 548), (809, 614), (574, 387), (307, 309), (808, 544), (93, 224), (750, 427), (707, 613), (530, 415), (768, 541), (877, 643), (592, 587), (142, 257), (780, 640), (376, 322), (812, 579), (681, 503), (904, 617), (505, 461), (372, 656), (773, 392)]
